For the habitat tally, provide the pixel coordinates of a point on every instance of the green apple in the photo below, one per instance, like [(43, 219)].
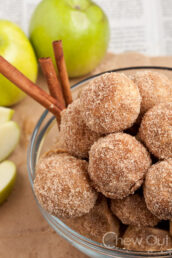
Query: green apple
[(9, 137), (16, 48), (80, 24), (7, 179), (5, 114)]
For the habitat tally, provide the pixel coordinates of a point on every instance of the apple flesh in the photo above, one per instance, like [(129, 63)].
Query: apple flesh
[(5, 114), (9, 137), (7, 179), (81, 25), (16, 48)]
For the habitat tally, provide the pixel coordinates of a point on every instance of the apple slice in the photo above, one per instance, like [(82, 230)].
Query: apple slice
[(7, 179), (5, 114), (9, 137)]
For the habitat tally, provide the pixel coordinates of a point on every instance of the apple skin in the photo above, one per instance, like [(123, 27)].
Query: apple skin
[(81, 25), (16, 48)]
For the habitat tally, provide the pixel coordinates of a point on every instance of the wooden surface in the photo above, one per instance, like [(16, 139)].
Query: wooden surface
[(23, 231)]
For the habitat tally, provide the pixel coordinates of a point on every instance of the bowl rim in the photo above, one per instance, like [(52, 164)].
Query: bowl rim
[(82, 240)]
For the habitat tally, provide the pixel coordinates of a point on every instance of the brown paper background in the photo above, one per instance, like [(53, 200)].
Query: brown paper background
[(23, 231)]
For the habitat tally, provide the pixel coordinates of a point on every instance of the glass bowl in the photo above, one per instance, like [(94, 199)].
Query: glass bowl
[(42, 139)]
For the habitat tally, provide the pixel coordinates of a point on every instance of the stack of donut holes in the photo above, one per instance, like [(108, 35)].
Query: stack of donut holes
[(101, 157)]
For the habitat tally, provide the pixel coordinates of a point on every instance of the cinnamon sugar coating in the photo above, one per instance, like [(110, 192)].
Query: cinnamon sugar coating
[(146, 239), (110, 103), (97, 222), (62, 186), (158, 189), (155, 88), (77, 137), (156, 130), (132, 210), (117, 165)]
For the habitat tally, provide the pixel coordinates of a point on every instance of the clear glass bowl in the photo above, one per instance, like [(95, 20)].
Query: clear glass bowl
[(42, 139)]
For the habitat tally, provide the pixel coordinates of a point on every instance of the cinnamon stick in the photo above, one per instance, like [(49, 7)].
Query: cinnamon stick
[(52, 80), (61, 65), (26, 85)]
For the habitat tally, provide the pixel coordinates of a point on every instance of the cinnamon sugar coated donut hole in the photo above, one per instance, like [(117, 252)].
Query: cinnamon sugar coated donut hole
[(117, 165), (77, 137), (158, 189), (62, 186), (97, 222), (156, 130), (132, 210), (154, 88), (146, 239), (110, 103)]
